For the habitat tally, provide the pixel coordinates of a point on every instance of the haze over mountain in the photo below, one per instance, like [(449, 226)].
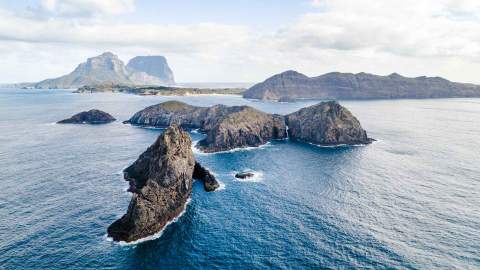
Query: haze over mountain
[(108, 68), (336, 85)]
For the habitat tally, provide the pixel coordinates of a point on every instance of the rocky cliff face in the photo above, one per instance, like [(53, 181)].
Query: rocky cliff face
[(161, 182), (327, 123), (337, 85), (245, 126), (106, 68), (155, 66), (89, 117), (210, 183), (226, 127)]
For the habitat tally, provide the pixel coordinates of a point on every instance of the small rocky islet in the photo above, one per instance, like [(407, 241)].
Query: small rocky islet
[(89, 117)]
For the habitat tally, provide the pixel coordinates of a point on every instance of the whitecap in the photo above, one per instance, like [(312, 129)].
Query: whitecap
[(238, 149), (221, 186), (153, 236)]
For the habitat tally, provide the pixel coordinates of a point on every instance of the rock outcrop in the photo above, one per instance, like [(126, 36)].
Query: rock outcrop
[(210, 183), (226, 127), (89, 117), (155, 66), (326, 123), (244, 175), (337, 85), (162, 184), (243, 126), (106, 68)]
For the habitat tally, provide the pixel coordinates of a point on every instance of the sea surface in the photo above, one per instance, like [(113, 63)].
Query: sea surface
[(411, 200)]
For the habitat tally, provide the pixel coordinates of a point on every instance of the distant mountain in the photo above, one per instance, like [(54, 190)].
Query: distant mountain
[(335, 85), (105, 68), (154, 66)]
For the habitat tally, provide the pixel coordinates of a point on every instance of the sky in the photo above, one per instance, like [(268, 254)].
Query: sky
[(244, 41)]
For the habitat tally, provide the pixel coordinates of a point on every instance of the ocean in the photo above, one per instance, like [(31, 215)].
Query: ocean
[(411, 200)]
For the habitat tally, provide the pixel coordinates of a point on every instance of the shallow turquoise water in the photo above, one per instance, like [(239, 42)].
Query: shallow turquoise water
[(410, 200)]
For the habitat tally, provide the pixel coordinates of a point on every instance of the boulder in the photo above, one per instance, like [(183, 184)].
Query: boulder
[(244, 175)]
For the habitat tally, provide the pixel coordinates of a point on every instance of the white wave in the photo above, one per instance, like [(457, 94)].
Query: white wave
[(221, 186), (257, 176), (153, 236), (51, 124), (342, 145)]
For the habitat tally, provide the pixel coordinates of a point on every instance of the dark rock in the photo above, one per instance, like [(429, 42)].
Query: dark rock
[(337, 85), (327, 123), (244, 175), (89, 117), (226, 127), (162, 184), (202, 174), (243, 126)]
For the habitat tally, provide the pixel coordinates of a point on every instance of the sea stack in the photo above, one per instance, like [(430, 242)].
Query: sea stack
[(326, 123), (161, 183), (202, 174), (89, 117)]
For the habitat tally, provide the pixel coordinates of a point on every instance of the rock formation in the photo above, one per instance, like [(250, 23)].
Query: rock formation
[(244, 175), (202, 174), (106, 68), (326, 123), (337, 85), (243, 126), (226, 127), (89, 117), (155, 66), (161, 184)]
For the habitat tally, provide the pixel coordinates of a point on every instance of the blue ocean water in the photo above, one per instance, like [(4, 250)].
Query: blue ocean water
[(411, 200)]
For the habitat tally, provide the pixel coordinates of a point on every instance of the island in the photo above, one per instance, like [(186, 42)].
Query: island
[(161, 184), (340, 86), (230, 127), (89, 117), (226, 127)]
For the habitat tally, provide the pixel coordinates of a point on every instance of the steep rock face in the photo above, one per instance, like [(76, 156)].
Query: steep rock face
[(161, 182), (337, 85), (226, 127), (245, 126), (89, 117), (106, 68), (155, 66), (326, 123), (210, 183)]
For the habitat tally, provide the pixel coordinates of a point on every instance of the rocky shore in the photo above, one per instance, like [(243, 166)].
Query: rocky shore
[(156, 90), (89, 117)]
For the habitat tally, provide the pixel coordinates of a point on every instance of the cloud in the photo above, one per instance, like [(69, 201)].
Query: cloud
[(84, 8), (412, 37)]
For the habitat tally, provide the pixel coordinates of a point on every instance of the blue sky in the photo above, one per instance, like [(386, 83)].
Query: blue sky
[(244, 41)]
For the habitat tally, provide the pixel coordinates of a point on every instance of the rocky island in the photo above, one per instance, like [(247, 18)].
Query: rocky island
[(336, 85), (89, 117), (161, 183), (226, 127), (326, 123)]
